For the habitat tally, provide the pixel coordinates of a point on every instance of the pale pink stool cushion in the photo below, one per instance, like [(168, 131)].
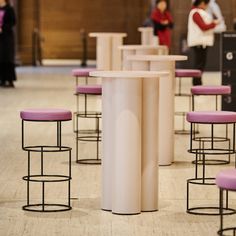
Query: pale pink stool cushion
[(211, 90), (89, 89), (46, 115), (211, 117), (226, 179), (84, 72), (187, 73)]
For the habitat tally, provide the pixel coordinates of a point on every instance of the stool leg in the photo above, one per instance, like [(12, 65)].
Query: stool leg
[(22, 134), (69, 201), (28, 182), (221, 211), (180, 86), (77, 141), (59, 134), (42, 172), (193, 105), (216, 102), (85, 104), (187, 195), (97, 119), (212, 136), (76, 81), (43, 196)]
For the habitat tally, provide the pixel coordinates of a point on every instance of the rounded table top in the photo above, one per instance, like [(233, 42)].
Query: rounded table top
[(157, 58), (107, 34), (128, 74), (140, 29), (136, 47)]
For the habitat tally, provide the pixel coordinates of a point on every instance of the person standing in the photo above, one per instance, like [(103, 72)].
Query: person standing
[(163, 22), (7, 44), (200, 34)]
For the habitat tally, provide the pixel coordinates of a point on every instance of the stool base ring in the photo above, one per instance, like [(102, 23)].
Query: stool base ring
[(89, 161), (212, 162), (32, 207), (197, 211), (220, 232)]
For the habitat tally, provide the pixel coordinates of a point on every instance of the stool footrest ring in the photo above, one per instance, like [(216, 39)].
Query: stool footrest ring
[(33, 207)]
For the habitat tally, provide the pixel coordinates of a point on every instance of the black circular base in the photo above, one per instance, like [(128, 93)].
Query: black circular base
[(212, 162), (89, 161), (201, 211), (220, 232), (47, 207)]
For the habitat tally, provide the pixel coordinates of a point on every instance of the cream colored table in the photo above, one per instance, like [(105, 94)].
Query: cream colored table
[(128, 50), (167, 91), (147, 36), (129, 139), (108, 54)]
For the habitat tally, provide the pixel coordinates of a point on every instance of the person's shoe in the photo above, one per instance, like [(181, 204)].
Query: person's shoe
[(2, 84), (10, 85)]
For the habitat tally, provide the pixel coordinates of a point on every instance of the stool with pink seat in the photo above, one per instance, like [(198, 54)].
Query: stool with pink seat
[(44, 177), (226, 182), (187, 74), (208, 145)]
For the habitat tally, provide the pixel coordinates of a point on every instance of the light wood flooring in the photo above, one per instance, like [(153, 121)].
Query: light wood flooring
[(54, 87)]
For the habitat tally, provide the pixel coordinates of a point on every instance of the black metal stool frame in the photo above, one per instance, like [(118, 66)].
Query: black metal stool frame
[(222, 230), (44, 178), (89, 138), (85, 112), (201, 151), (213, 162), (182, 113)]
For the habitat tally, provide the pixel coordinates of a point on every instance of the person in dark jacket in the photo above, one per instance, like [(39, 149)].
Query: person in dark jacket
[(7, 44), (163, 22)]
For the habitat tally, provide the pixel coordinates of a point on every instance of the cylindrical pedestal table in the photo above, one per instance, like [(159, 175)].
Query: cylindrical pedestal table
[(130, 101), (128, 50), (108, 54), (147, 36), (167, 91)]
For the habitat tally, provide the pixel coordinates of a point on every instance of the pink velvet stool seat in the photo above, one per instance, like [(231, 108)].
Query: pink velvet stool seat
[(184, 73), (211, 90), (46, 115), (226, 181), (82, 72), (211, 117), (89, 89)]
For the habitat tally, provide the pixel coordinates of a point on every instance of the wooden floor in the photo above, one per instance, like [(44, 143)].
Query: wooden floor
[(53, 87)]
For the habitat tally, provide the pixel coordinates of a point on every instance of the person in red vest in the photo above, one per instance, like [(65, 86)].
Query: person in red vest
[(163, 22)]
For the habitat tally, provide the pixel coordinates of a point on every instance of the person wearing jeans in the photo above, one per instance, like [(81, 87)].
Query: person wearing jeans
[(200, 34)]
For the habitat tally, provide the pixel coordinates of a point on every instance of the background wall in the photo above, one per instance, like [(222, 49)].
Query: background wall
[(60, 23)]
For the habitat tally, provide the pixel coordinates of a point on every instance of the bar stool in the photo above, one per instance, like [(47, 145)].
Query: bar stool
[(203, 146), (82, 73), (226, 181), (180, 74), (85, 113), (46, 115), (218, 90)]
